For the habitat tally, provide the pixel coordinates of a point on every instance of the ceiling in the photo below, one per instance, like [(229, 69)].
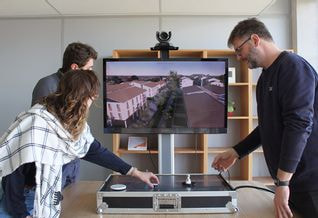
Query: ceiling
[(57, 8)]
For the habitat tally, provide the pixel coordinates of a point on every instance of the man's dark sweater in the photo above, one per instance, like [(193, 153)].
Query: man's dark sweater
[(287, 105), (24, 176)]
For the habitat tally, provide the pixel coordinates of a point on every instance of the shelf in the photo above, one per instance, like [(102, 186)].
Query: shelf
[(135, 53), (238, 84), (237, 117), (216, 150), (187, 150), (266, 180), (186, 53), (220, 150), (226, 52), (125, 151)]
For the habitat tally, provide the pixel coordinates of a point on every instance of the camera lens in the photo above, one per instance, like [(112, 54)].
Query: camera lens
[(164, 35)]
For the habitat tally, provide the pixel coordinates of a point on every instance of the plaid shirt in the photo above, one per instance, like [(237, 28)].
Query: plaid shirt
[(37, 136)]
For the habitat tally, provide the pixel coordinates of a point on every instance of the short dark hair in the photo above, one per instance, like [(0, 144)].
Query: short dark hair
[(247, 28), (78, 53)]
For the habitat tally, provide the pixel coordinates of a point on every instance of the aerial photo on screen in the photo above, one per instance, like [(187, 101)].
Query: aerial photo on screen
[(165, 94)]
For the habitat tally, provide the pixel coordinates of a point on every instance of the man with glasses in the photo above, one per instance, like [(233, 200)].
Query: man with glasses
[(287, 103), (238, 49), (19, 187)]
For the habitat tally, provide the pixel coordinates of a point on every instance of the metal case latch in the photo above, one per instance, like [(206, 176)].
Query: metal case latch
[(166, 202)]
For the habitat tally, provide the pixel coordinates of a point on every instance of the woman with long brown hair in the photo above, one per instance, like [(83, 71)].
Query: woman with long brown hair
[(51, 134), (71, 102)]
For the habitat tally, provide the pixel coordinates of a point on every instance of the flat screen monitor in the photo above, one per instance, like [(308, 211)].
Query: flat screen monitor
[(145, 95)]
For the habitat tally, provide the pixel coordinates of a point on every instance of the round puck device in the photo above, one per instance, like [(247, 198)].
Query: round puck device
[(118, 187)]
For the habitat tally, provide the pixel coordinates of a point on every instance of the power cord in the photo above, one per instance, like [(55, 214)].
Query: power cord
[(246, 186), (255, 187)]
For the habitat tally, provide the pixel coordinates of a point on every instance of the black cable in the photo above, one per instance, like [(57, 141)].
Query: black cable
[(255, 187), (248, 186)]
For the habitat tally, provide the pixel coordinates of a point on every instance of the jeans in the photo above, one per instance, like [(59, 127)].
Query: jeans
[(70, 172), (29, 202)]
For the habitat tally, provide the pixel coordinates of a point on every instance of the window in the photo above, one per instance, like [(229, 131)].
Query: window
[(118, 108), (109, 107)]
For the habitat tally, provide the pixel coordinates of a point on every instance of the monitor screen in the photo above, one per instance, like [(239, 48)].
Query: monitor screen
[(165, 96)]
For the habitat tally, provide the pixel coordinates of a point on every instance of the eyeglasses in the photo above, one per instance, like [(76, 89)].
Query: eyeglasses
[(238, 49)]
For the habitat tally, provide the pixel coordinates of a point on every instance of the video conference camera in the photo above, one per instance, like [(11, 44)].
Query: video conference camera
[(163, 36), (164, 46)]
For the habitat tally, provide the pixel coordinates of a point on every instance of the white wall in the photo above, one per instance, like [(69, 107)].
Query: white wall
[(305, 25), (33, 48)]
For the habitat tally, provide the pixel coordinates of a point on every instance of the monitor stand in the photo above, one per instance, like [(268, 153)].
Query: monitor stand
[(166, 153)]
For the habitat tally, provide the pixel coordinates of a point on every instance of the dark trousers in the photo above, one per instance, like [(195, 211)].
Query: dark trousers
[(70, 173), (305, 203)]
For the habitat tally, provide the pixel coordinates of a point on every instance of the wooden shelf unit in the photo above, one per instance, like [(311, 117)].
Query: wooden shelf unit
[(244, 85), (265, 180)]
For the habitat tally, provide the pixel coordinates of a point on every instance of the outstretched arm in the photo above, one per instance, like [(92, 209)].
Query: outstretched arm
[(148, 177), (103, 157), (226, 159), (248, 144)]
